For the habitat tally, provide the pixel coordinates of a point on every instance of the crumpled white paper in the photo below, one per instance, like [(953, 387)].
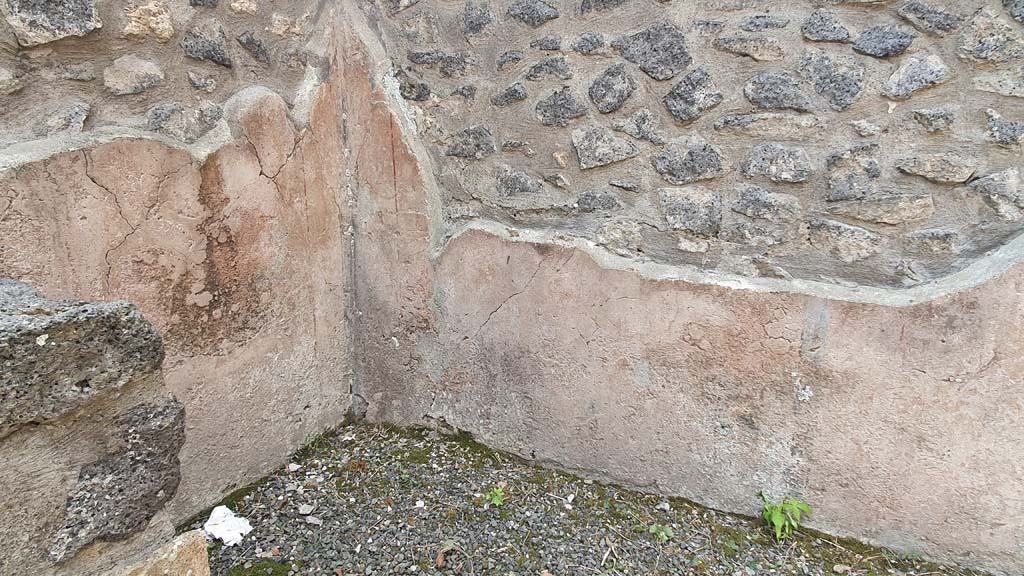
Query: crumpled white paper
[(225, 526)]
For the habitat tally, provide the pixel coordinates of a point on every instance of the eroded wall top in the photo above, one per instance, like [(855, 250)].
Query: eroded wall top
[(859, 141)]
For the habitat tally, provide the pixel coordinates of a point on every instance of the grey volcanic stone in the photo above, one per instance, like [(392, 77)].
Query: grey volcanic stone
[(473, 143), (131, 75), (559, 107), (642, 125), (598, 146), (450, 64), (753, 233), (116, 496), (551, 42), (771, 125), (759, 48), (511, 182), (942, 168), (187, 124), (511, 95), (1004, 132), (69, 119), (465, 91), (777, 90), (590, 43), (928, 18), (917, 72), (693, 209), (597, 202), (200, 82), (1015, 8), (853, 172), (203, 3), (660, 51), (556, 66), (884, 41), (708, 27), (37, 22), (779, 163), (845, 242), (534, 13), (935, 119), (412, 88), (395, 6), (689, 160), (476, 18), (612, 88), (824, 26), (989, 37), (207, 41), (1003, 192), (58, 355), (599, 5), (760, 22), (509, 58), (839, 79), (255, 46), (693, 95), (756, 202)]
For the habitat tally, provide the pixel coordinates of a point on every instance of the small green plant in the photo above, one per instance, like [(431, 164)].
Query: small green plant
[(783, 517), (496, 496), (661, 533)]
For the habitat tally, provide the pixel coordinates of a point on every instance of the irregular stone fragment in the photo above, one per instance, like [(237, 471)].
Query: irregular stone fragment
[(256, 47), (533, 13), (78, 72), (758, 48), (708, 27), (660, 50), (395, 6), (558, 180), (884, 41), (626, 185), (612, 88), (71, 119), (839, 79), (207, 41), (853, 172), (116, 496), (244, 7), (919, 71), (590, 43), (1003, 192), (771, 125), (281, 25), (929, 18), (511, 95), (556, 66), (758, 203), (777, 90), (200, 82), (476, 18), (9, 83), (597, 202), (689, 160), (778, 163), (887, 208), (509, 58), (843, 241), (622, 237), (473, 143), (599, 5), (87, 350), (1003, 82), (989, 37), (760, 22), (450, 64), (824, 26), (131, 75), (551, 42), (465, 91), (935, 240), (597, 146), (558, 108), (642, 125), (203, 3), (753, 233), (865, 128), (511, 182), (1004, 132), (1015, 8), (149, 19), (187, 124), (37, 22), (693, 209), (411, 88), (943, 168), (693, 95), (935, 119)]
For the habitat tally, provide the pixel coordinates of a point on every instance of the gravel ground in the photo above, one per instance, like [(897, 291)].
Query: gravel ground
[(371, 499)]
